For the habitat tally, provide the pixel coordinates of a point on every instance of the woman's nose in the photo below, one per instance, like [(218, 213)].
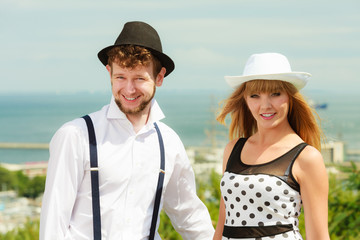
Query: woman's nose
[(265, 102)]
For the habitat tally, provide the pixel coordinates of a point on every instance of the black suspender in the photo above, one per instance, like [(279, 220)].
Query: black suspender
[(159, 185), (95, 181)]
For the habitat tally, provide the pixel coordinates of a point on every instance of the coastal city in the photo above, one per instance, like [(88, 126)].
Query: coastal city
[(279, 73)]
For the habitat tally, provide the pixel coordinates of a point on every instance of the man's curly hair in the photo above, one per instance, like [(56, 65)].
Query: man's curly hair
[(131, 56)]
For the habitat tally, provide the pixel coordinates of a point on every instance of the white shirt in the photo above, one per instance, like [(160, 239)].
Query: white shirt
[(129, 165)]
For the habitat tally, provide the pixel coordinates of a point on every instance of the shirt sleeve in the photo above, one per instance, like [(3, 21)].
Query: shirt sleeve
[(64, 174), (187, 212)]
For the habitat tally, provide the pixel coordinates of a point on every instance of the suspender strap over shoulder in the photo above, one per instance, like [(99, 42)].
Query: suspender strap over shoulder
[(94, 179), (159, 185)]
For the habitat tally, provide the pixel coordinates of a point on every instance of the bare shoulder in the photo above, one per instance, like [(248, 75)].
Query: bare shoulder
[(230, 146), (227, 151), (310, 157), (309, 163), (311, 174)]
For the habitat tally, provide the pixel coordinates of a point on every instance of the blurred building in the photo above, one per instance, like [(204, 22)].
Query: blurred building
[(30, 169), (333, 152)]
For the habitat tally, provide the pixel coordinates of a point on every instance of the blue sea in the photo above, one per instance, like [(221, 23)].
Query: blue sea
[(34, 118)]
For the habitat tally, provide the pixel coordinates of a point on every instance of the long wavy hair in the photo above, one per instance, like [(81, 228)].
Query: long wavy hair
[(301, 116)]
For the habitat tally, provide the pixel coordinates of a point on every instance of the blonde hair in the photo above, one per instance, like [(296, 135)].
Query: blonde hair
[(301, 116)]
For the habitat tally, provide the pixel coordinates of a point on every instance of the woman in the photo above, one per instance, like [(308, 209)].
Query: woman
[(272, 165)]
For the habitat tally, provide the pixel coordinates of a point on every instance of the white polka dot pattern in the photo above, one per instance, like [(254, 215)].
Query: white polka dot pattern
[(260, 200)]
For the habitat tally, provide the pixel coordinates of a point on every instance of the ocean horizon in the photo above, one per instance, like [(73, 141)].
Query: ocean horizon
[(34, 118)]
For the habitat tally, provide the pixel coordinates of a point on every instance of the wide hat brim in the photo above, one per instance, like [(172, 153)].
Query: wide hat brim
[(143, 35), (165, 60), (298, 79)]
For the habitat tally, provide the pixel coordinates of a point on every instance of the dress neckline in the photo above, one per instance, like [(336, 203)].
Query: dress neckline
[(271, 161)]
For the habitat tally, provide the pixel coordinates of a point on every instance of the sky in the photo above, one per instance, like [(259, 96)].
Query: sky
[(52, 45)]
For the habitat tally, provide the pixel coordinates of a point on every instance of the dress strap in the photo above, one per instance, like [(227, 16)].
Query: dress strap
[(233, 162), (300, 147)]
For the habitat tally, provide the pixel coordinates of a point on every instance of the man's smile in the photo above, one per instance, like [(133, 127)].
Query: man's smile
[(131, 98)]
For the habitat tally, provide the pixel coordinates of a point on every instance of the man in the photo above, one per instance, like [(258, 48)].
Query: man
[(131, 144)]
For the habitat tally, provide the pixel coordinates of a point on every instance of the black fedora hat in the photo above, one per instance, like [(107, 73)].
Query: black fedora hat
[(144, 35)]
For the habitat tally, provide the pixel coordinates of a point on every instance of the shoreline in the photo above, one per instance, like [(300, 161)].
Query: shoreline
[(202, 158)]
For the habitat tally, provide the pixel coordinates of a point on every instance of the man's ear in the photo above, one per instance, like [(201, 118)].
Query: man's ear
[(108, 68), (160, 77)]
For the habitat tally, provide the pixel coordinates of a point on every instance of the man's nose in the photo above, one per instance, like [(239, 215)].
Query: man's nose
[(130, 86)]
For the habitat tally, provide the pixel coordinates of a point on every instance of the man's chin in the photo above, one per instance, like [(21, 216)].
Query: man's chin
[(132, 111)]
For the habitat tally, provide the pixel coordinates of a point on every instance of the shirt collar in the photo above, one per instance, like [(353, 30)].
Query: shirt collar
[(155, 112)]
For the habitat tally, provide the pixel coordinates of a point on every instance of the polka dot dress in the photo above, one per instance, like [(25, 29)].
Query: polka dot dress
[(259, 203)]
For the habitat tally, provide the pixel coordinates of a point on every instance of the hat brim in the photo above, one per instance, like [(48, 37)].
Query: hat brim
[(165, 60), (298, 79)]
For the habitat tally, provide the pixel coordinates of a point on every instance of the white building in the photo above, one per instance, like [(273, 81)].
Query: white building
[(333, 152)]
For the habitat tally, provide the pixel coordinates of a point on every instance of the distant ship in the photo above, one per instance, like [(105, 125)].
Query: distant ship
[(318, 105), (321, 106)]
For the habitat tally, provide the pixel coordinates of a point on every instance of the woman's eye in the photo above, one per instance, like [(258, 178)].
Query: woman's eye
[(276, 94), (254, 95)]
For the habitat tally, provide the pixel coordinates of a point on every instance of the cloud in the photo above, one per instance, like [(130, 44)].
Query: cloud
[(206, 38), (202, 57)]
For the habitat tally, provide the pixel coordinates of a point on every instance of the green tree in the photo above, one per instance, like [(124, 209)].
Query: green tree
[(344, 206), (353, 182), (166, 230), (33, 187), (30, 231), (208, 191), (21, 183), (7, 179)]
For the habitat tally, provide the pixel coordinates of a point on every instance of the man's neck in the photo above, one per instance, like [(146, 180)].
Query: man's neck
[(139, 120)]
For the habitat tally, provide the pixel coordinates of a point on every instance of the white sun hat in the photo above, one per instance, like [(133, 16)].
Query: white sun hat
[(269, 66)]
